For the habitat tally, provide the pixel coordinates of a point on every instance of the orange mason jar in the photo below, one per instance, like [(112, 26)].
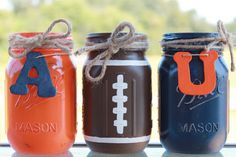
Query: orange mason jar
[(41, 101)]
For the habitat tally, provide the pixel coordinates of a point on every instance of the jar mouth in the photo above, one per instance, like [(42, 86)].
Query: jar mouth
[(32, 34), (189, 35)]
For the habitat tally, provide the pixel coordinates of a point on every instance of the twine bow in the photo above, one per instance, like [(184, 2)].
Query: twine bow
[(225, 38), (43, 40), (112, 46)]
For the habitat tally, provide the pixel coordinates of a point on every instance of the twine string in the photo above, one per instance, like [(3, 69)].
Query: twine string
[(228, 41), (111, 47), (225, 38), (42, 40)]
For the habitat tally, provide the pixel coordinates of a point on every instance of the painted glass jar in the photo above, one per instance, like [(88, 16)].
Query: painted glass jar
[(41, 101), (117, 110), (193, 94)]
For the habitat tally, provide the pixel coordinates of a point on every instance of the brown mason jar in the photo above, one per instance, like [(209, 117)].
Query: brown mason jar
[(117, 109)]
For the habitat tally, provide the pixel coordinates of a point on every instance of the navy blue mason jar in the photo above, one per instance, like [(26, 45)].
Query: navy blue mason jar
[(192, 121)]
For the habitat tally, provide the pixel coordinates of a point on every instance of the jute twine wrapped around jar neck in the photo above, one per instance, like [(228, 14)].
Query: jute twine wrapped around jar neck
[(126, 41), (117, 41), (41, 40), (225, 38)]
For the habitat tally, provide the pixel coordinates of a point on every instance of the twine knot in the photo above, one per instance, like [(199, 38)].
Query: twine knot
[(42, 40), (113, 44)]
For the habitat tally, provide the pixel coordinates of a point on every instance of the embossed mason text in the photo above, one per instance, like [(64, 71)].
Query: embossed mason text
[(209, 127), (46, 127)]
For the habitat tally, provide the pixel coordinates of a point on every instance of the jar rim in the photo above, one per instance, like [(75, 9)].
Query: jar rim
[(106, 35), (32, 34), (168, 37), (189, 35), (102, 37)]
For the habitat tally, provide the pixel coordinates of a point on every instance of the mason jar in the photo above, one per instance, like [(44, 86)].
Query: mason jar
[(193, 91), (117, 109), (41, 101)]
